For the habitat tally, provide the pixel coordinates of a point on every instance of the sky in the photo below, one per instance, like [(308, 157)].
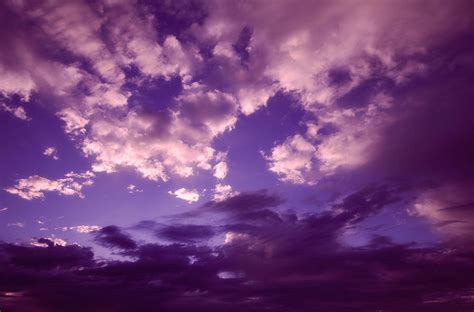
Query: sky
[(236, 155)]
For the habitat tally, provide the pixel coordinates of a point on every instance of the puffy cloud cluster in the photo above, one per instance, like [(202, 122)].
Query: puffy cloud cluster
[(345, 61), (292, 160), (92, 100), (342, 59), (35, 186)]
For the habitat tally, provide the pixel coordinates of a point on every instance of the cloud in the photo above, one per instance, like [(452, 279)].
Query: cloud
[(222, 192), (343, 84), (3, 209), (17, 224), (255, 267), (221, 170), (113, 237), (74, 26), (449, 207), (186, 233), (50, 257), (19, 112), (35, 186), (82, 228), (133, 189), (187, 195), (292, 160), (156, 145), (48, 242), (51, 152), (245, 201)]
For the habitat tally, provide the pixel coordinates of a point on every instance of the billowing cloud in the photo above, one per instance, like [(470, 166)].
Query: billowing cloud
[(35, 186), (48, 242), (190, 196), (221, 170), (222, 192), (292, 160)]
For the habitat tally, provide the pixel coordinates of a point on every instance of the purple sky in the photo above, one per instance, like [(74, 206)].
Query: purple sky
[(236, 155)]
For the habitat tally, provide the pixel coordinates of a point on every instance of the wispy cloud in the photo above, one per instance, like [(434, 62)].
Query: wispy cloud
[(35, 187)]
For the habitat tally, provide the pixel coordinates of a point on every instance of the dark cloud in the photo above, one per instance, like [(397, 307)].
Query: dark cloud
[(246, 201), (186, 232), (112, 236), (295, 264), (47, 258)]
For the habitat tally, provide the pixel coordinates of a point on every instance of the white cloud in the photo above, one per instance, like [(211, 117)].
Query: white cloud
[(308, 158), (3, 209), (18, 112), (75, 122), (221, 170), (82, 228), (16, 82), (232, 237), (76, 27), (164, 144), (55, 241), (188, 195), (35, 186), (133, 189), (292, 160), (223, 191), (51, 152)]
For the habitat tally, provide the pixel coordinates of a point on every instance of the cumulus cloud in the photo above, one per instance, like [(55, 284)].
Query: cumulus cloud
[(51, 152), (35, 186), (223, 191), (221, 170), (329, 73), (190, 196), (292, 160), (165, 143)]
